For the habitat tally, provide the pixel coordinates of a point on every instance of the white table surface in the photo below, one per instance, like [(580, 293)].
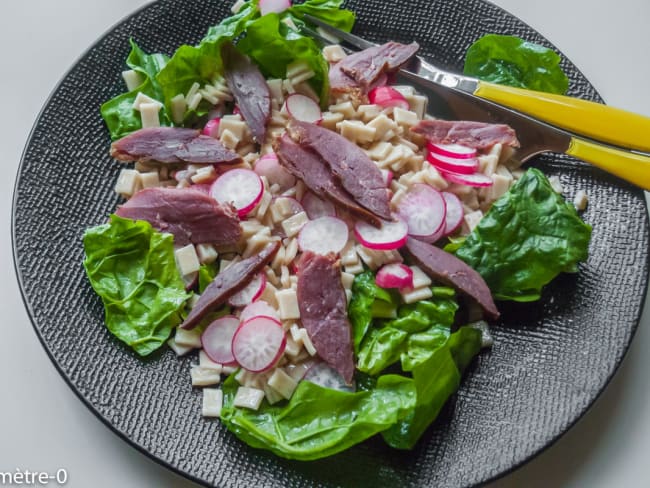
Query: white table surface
[(44, 426)]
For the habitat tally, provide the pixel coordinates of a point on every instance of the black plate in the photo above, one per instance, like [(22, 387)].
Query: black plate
[(550, 361)]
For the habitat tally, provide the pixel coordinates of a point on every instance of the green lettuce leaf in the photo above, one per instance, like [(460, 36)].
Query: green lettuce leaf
[(508, 60), (118, 113), (132, 268), (435, 379), (318, 422), (362, 308), (529, 236), (329, 11)]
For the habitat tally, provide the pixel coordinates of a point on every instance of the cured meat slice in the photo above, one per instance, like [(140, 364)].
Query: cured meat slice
[(477, 135), (323, 311), (172, 145), (358, 71), (315, 174), (448, 269), (231, 280), (356, 172), (249, 88), (190, 215)]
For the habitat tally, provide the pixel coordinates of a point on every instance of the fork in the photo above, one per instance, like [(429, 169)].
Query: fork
[(574, 127)]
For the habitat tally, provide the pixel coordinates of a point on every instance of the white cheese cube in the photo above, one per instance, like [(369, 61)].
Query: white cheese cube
[(271, 395), (292, 348), (128, 182), (405, 90), (418, 104), (212, 402), (275, 87), (405, 117), (228, 369), (345, 108), (306, 341), (369, 112), (178, 108), (178, 349), (472, 219), (346, 280), (141, 99), (420, 278), (500, 185), (333, 53), (149, 114), (269, 295), (188, 338), (207, 363), (187, 261), (247, 397), (204, 175), (234, 124), (349, 254), (354, 269), (288, 304), (150, 179), (293, 224), (229, 139), (330, 119), (204, 376), (556, 184), (356, 131), (580, 200), (411, 295), (281, 382), (133, 79), (291, 250), (206, 253), (296, 335)]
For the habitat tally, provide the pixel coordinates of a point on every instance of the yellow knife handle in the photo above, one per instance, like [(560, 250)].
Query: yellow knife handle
[(630, 166), (590, 119)]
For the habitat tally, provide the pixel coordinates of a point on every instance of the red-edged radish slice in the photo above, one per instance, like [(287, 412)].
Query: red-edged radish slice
[(395, 275), (240, 187), (477, 179), (317, 207), (216, 339), (387, 96), (387, 175), (455, 212), (303, 108), (391, 235), (423, 209), (457, 165), (258, 343), (257, 308), (269, 166), (211, 128), (323, 236), (274, 6), (452, 150), (433, 238), (323, 375), (250, 292)]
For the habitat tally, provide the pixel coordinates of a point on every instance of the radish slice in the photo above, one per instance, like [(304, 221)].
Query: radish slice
[(465, 166), (242, 188), (455, 212), (211, 128), (387, 96), (395, 275), (258, 343), (303, 108), (391, 235), (452, 150), (323, 375), (257, 308), (276, 6), (423, 209), (250, 292), (387, 175), (269, 166), (317, 207), (323, 236), (216, 339), (477, 179), (433, 238)]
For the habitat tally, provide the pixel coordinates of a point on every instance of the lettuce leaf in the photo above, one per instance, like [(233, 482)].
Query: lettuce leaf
[(317, 421), (132, 268), (118, 113), (529, 236), (435, 379), (363, 305), (509, 60)]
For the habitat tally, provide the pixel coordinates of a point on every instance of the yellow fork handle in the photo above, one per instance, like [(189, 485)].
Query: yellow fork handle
[(590, 119), (630, 166)]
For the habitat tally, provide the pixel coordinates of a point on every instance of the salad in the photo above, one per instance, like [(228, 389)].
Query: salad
[(331, 249)]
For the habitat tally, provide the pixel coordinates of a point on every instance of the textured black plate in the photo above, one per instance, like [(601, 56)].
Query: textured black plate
[(550, 361)]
